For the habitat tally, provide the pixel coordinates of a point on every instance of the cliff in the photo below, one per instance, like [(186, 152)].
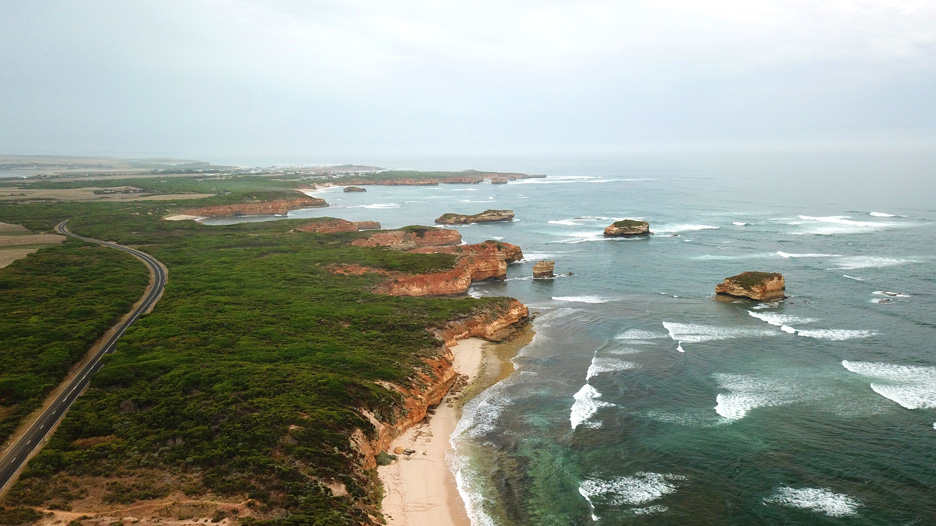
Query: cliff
[(480, 262), (276, 206), (627, 228), (429, 385), (761, 286), (330, 226), (405, 239), (487, 216)]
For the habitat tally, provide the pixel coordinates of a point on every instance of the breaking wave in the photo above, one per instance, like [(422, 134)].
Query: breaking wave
[(821, 500), (636, 490), (585, 406), (911, 386)]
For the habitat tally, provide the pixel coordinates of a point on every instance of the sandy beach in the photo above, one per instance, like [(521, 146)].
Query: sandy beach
[(419, 489)]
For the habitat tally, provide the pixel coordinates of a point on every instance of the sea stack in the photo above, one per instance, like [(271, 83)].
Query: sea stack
[(543, 269), (760, 286), (488, 216), (354, 189), (628, 228)]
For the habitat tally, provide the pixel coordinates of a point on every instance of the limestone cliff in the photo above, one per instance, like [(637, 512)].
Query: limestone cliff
[(429, 385), (761, 286), (406, 239), (330, 226), (276, 206), (488, 216), (480, 262)]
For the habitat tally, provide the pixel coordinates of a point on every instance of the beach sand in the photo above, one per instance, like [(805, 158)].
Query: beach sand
[(420, 490)]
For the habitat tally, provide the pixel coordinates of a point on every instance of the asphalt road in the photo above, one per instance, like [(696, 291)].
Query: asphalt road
[(14, 457)]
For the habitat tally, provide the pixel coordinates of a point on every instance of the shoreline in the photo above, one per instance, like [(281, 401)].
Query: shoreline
[(420, 489)]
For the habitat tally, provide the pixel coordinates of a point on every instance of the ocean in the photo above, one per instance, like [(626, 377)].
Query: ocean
[(644, 400)]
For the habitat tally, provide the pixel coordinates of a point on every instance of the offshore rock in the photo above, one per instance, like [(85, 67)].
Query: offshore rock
[(760, 286), (276, 206), (544, 269), (628, 228), (410, 238), (354, 189), (488, 216)]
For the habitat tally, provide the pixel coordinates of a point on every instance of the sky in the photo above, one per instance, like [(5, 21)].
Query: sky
[(291, 78)]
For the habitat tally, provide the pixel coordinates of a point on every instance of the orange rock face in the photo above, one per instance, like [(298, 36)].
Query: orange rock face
[(479, 262), (409, 239), (277, 206), (761, 286), (430, 385), (331, 226)]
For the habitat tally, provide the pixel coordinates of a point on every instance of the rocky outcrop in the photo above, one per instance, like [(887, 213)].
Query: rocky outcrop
[(406, 239), (481, 262), (493, 249), (760, 286), (499, 180), (462, 179), (354, 189), (627, 228), (276, 206), (430, 384), (330, 226), (544, 269), (487, 216)]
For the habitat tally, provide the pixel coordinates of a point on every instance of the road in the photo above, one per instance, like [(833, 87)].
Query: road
[(16, 455)]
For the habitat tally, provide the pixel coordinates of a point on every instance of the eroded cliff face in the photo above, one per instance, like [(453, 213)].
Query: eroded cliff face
[(760, 286), (410, 239), (488, 216), (277, 206), (330, 226), (479, 262), (430, 385)]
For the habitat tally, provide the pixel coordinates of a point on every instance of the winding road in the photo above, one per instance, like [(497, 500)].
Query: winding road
[(15, 456)]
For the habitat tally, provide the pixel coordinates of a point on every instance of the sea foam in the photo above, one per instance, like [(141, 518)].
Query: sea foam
[(779, 320), (911, 386), (581, 299), (636, 490), (831, 225), (821, 500), (788, 255), (695, 333), (857, 262), (745, 392), (837, 335), (601, 364), (585, 406)]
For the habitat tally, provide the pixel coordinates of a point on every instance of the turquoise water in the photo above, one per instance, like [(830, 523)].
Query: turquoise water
[(643, 400)]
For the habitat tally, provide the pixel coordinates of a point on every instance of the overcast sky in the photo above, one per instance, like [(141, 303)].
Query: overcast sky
[(216, 78)]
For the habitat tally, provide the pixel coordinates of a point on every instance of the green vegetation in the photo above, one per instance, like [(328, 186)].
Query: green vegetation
[(56, 303), (629, 223), (751, 279), (250, 375)]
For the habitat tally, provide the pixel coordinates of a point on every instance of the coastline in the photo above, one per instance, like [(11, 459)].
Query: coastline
[(420, 489)]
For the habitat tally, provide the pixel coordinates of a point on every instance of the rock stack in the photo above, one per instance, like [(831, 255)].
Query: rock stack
[(628, 228), (543, 269), (760, 286)]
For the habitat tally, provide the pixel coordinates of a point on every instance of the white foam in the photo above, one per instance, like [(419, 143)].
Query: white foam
[(830, 225), (695, 333), (649, 510), (679, 347), (672, 229), (911, 386), (607, 365), (881, 214), (779, 320), (720, 257), (891, 294), (471, 201), (639, 336), (852, 277), (739, 223), (787, 329), (852, 263), (581, 299), (378, 205), (636, 490), (837, 335), (747, 392), (820, 500), (567, 222), (788, 255), (585, 406), (584, 237)]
